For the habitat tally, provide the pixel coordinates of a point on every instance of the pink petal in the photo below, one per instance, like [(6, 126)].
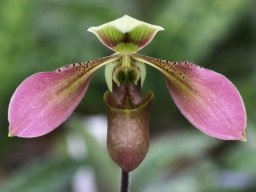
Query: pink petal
[(45, 100), (206, 98)]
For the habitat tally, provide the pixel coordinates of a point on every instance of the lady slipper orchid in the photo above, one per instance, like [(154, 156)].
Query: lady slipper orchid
[(207, 99)]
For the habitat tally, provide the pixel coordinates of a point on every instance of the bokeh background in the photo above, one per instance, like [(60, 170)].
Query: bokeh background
[(44, 35)]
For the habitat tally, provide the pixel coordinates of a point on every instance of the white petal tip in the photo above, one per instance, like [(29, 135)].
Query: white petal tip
[(91, 29), (243, 138), (10, 134)]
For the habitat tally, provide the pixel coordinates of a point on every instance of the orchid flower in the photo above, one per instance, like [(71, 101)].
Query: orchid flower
[(207, 99)]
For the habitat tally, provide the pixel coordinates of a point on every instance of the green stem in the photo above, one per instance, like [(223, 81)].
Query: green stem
[(124, 181)]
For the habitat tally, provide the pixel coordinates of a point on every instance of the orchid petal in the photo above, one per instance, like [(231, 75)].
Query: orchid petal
[(44, 100), (125, 34), (206, 98)]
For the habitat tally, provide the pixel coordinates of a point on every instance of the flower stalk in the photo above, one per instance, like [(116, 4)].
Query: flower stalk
[(124, 181)]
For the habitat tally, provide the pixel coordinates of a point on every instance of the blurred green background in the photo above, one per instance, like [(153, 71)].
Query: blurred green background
[(44, 35)]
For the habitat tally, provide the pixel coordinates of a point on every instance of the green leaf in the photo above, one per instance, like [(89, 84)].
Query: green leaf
[(164, 152), (42, 175), (193, 28), (106, 172)]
